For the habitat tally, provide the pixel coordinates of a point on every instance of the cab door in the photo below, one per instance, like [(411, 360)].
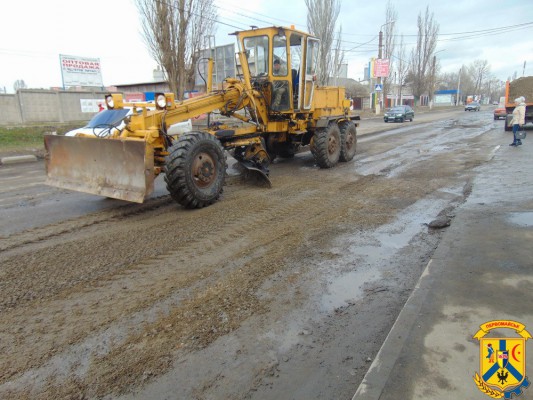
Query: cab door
[(311, 60)]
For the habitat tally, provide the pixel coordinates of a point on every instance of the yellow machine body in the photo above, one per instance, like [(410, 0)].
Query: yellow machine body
[(274, 99)]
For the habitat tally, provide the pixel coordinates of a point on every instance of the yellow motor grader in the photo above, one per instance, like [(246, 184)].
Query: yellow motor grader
[(276, 101)]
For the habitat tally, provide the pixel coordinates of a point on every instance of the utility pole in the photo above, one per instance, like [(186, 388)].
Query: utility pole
[(380, 45), (378, 95), (458, 87), (432, 82), (396, 94)]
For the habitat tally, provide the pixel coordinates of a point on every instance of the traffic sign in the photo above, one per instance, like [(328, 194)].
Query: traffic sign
[(378, 87)]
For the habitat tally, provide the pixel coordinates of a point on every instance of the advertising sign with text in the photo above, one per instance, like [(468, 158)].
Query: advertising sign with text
[(381, 68), (80, 71)]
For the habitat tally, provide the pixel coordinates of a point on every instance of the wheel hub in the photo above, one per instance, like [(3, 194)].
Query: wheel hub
[(349, 141), (203, 170), (332, 144)]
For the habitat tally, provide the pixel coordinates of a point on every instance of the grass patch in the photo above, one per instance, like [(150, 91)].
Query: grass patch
[(20, 138), (28, 137)]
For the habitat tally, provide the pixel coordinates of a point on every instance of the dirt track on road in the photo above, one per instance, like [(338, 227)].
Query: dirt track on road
[(109, 303)]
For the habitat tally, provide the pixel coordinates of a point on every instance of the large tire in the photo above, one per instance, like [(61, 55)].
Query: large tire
[(286, 151), (326, 146), (195, 170), (348, 141)]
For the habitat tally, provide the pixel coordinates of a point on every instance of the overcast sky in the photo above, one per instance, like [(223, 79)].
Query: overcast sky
[(34, 33)]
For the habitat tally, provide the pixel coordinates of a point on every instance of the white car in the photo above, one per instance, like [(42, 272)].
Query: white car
[(103, 123)]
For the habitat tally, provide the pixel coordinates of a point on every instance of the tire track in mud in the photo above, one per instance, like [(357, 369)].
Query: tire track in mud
[(145, 260), (292, 237), (268, 220), (39, 234)]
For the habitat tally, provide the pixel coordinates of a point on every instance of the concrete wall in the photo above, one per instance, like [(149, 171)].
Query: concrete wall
[(9, 110), (32, 106)]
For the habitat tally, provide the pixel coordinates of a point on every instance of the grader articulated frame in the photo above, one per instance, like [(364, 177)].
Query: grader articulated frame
[(279, 110)]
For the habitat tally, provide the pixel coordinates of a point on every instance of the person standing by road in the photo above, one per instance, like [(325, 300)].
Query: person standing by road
[(519, 118)]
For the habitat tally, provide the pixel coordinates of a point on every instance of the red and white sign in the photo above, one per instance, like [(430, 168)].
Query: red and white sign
[(381, 68), (80, 71)]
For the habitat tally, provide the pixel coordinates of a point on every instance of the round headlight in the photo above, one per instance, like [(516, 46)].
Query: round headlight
[(109, 101), (161, 101)]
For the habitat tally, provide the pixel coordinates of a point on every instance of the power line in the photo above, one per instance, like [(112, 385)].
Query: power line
[(198, 15), (257, 19)]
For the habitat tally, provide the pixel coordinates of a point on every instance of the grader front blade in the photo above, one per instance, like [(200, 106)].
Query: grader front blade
[(117, 168)]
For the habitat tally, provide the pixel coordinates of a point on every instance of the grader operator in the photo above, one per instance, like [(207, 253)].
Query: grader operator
[(281, 110)]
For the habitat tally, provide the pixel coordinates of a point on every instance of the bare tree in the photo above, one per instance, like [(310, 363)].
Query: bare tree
[(402, 66), (479, 71), (19, 84), (448, 80), (173, 31), (391, 16), (338, 57), (467, 84), (321, 20), (421, 57), (493, 88), (202, 26)]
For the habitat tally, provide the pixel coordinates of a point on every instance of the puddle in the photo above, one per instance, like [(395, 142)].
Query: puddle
[(347, 287), (372, 253), (440, 148), (402, 238), (524, 219)]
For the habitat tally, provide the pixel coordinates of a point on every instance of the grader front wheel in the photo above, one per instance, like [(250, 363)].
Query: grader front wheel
[(326, 146), (195, 170)]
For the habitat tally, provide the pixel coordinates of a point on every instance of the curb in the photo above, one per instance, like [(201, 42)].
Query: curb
[(375, 379), (17, 159)]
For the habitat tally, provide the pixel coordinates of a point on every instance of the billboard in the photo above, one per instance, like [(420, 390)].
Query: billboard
[(80, 71), (381, 68)]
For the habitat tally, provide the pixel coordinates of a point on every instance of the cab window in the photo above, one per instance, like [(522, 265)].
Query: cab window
[(256, 50), (312, 56), (279, 59)]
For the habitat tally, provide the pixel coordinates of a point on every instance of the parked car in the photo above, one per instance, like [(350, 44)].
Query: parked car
[(500, 113), (399, 113), (474, 106), (103, 124)]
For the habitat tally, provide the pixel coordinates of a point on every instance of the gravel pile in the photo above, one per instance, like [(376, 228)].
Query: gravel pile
[(521, 87)]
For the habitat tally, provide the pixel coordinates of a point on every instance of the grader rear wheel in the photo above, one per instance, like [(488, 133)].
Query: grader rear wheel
[(348, 141), (326, 146), (195, 170)]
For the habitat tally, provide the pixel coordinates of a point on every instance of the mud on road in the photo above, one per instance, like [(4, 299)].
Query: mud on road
[(270, 293)]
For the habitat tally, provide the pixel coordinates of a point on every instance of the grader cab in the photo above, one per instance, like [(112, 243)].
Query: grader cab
[(275, 99)]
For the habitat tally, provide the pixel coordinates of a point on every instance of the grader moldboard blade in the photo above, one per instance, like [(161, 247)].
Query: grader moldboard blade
[(254, 175), (117, 168)]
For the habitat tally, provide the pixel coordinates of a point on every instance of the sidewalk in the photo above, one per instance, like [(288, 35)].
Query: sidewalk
[(481, 271)]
